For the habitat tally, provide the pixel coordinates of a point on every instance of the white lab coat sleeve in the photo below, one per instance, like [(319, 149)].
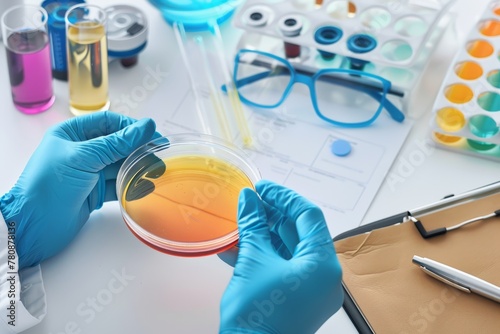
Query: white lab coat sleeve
[(22, 295)]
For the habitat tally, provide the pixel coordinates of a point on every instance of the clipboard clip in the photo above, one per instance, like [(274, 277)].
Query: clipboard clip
[(442, 230)]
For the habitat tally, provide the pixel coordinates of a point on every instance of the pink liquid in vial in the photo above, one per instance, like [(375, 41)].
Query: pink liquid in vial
[(28, 59)]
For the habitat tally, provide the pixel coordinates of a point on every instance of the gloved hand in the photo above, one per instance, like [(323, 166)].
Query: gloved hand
[(270, 291), (71, 173)]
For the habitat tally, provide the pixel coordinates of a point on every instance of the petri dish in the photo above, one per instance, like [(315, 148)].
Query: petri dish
[(179, 195)]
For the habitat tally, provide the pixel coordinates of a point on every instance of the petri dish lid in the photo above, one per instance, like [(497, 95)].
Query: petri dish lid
[(196, 15), (179, 195)]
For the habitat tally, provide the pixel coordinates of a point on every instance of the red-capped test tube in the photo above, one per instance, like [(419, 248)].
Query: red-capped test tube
[(291, 26)]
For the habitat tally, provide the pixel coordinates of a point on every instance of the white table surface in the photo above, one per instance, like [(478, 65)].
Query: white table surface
[(166, 294)]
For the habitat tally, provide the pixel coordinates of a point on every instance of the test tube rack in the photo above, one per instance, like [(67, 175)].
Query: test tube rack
[(392, 39), (466, 110)]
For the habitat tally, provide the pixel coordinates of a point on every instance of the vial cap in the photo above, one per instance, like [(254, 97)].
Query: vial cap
[(127, 30), (290, 25), (361, 43), (327, 35)]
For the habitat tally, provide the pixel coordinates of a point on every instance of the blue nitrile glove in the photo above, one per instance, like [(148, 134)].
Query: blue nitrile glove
[(270, 293), (71, 173)]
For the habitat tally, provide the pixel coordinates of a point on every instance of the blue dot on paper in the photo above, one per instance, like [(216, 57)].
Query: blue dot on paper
[(341, 148)]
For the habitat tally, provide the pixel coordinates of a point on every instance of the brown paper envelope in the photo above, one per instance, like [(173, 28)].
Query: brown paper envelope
[(396, 296)]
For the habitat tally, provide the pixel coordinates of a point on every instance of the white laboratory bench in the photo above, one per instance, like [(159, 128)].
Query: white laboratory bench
[(165, 294)]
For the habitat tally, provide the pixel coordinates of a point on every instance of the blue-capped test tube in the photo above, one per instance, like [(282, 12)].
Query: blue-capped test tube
[(57, 34), (327, 35), (360, 43)]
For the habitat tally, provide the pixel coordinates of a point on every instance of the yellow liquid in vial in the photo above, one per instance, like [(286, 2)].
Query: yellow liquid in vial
[(87, 68), (195, 200)]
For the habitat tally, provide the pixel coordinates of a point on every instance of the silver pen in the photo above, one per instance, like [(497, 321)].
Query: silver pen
[(457, 278)]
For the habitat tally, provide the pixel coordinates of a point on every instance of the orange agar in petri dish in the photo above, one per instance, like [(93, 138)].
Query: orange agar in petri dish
[(458, 93), (480, 48), (195, 200), (181, 198)]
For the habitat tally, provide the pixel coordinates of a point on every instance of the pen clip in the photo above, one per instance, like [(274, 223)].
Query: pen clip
[(445, 280)]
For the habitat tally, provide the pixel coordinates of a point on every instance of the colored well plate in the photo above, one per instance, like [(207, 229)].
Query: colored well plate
[(483, 126), (450, 119), (458, 93), (469, 70), (489, 101), (490, 28), (493, 78), (480, 48)]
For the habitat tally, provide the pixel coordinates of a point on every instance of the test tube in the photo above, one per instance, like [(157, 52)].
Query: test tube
[(87, 59), (4, 6), (360, 43), (291, 26), (57, 31), (28, 58), (327, 35)]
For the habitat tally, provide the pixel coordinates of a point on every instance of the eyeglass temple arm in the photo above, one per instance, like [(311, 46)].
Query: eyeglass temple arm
[(394, 111)]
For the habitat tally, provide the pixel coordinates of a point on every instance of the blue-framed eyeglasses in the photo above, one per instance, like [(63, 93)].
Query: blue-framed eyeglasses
[(342, 97)]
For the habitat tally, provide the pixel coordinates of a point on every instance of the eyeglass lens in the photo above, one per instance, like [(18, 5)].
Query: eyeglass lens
[(262, 80), (338, 96), (348, 98)]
